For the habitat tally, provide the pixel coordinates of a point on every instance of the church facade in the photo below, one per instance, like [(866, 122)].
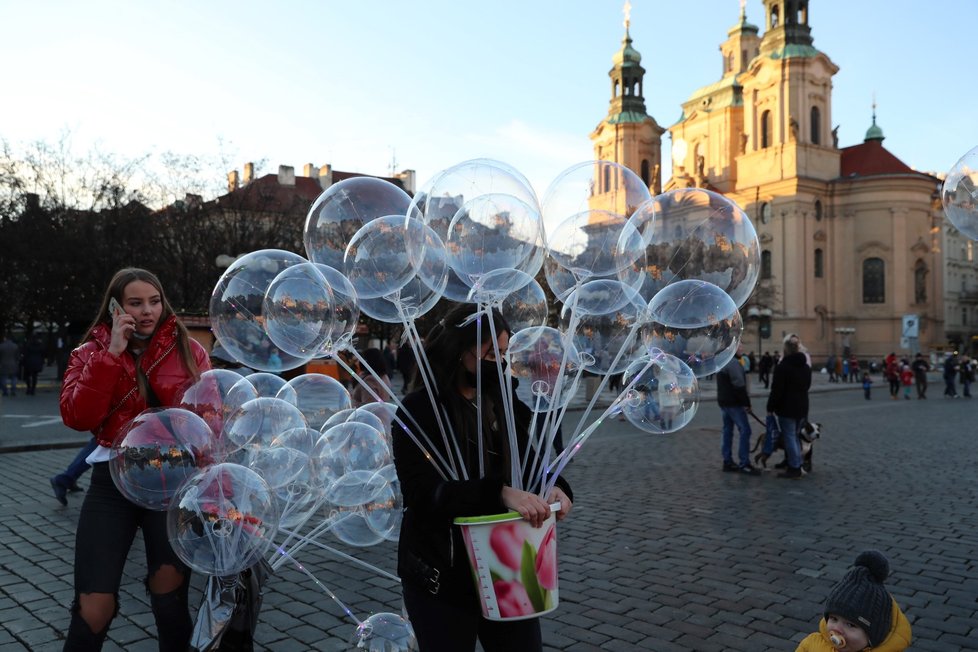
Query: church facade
[(850, 236)]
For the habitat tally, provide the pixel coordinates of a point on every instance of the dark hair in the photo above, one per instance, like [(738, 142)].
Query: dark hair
[(375, 360), (451, 337), (117, 286)]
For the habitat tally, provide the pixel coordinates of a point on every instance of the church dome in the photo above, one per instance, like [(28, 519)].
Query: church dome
[(627, 55)]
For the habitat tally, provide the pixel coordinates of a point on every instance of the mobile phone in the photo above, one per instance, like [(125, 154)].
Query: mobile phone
[(114, 307)]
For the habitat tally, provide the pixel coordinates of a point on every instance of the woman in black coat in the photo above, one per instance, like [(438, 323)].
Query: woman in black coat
[(788, 400), (439, 590)]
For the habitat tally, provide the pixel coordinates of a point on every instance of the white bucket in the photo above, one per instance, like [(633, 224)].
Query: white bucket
[(515, 564)]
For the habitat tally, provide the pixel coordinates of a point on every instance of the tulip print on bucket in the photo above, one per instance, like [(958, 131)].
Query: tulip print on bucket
[(515, 564)]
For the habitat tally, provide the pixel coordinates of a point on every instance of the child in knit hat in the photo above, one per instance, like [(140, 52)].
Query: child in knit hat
[(860, 614)]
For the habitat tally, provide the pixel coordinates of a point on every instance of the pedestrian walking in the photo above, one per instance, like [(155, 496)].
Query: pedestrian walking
[(867, 385), (734, 401), (438, 586), (9, 365), (950, 371), (966, 374), (891, 371), (788, 400), (853, 369), (906, 379), (920, 367), (135, 356), (860, 614), (34, 354), (764, 369)]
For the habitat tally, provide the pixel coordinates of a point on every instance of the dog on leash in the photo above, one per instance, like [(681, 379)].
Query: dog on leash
[(807, 435)]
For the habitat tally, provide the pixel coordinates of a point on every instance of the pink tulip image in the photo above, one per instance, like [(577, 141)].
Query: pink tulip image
[(506, 541), (546, 562), (512, 599)]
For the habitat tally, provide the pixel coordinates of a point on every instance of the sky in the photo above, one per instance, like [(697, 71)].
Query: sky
[(427, 84)]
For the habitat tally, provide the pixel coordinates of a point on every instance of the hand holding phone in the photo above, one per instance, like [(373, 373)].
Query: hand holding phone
[(121, 328), (114, 308)]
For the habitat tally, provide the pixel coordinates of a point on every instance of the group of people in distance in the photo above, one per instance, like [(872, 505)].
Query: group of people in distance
[(141, 356)]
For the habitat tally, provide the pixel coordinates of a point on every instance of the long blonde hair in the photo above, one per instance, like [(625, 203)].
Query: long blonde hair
[(117, 286)]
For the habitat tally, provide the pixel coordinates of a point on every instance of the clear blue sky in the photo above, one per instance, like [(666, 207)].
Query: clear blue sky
[(441, 81)]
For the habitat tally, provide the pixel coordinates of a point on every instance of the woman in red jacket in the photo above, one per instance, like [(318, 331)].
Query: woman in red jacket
[(132, 358)]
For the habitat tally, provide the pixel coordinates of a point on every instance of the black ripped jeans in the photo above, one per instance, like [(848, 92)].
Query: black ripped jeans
[(106, 529)]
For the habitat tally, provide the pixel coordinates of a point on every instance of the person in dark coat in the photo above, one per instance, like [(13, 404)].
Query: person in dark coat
[(734, 401), (439, 589), (33, 362), (764, 369), (788, 400)]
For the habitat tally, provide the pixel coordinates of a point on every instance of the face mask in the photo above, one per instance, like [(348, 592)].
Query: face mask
[(489, 374)]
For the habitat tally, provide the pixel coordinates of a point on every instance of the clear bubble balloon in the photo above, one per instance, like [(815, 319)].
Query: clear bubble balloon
[(383, 513), (525, 307), (350, 526), (318, 397), (539, 358), (299, 499), (595, 244), (353, 415), (592, 186), (355, 488), (216, 395), (353, 446), (258, 422), (344, 207), (267, 385), (383, 411), (385, 632), (346, 310), (697, 322), (492, 232), (438, 201), (600, 297), (493, 287), (664, 396), (298, 309), (697, 234), (237, 310), (959, 194), (378, 262), (222, 520), (158, 451), (604, 334), (413, 300)]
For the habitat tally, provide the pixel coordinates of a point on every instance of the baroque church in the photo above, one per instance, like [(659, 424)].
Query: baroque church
[(850, 235)]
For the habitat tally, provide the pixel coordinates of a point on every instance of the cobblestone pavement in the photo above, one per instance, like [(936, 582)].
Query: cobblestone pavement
[(663, 551)]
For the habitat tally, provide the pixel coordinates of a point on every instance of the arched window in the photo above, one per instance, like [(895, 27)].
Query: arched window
[(920, 282), (818, 210), (816, 126), (645, 172), (803, 14), (774, 16), (607, 178), (874, 281), (766, 129), (819, 264), (765, 213), (766, 264)]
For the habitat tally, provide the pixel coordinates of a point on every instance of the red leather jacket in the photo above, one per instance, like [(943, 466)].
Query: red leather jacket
[(100, 393)]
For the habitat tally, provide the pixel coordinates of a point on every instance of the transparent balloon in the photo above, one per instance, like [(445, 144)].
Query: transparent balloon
[(299, 499), (357, 415), (601, 297), (237, 310), (665, 395), (299, 311), (595, 244), (383, 513), (604, 334), (561, 282), (378, 260), (493, 287), (697, 234), (491, 232), (959, 194), (346, 310), (438, 201), (318, 397), (157, 452), (525, 307), (410, 302), (216, 395), (355, 488), (258, 422), (353, 446), (592, 186), (385, 632), (268, 385), (540, 359), (344, 207), (697, 322), (383, 411), (222, 520)]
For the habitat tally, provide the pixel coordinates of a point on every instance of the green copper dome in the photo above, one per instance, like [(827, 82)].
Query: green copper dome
[(627, 55)]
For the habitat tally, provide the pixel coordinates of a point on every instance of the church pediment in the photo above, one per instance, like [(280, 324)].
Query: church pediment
[(920, 247), (872, 244), (766, 238)]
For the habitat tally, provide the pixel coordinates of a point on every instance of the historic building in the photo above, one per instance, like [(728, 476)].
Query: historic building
[(850, 236)]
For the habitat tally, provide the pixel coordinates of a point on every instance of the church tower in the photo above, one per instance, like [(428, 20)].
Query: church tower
[(628, 135)]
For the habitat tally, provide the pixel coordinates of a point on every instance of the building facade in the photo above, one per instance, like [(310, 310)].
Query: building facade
[(850, 236)]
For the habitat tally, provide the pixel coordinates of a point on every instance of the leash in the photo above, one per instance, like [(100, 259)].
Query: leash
[(757, 418)]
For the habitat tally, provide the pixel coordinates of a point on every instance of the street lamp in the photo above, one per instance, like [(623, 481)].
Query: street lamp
[(762, 315)]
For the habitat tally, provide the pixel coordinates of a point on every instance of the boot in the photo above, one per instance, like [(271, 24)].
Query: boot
[(80, 636), (173, 623)]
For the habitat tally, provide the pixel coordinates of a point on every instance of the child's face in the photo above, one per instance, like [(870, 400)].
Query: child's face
[(854, 635)]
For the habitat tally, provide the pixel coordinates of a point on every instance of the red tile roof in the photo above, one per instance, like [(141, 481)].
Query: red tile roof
[(266, 194), (871, 158)]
